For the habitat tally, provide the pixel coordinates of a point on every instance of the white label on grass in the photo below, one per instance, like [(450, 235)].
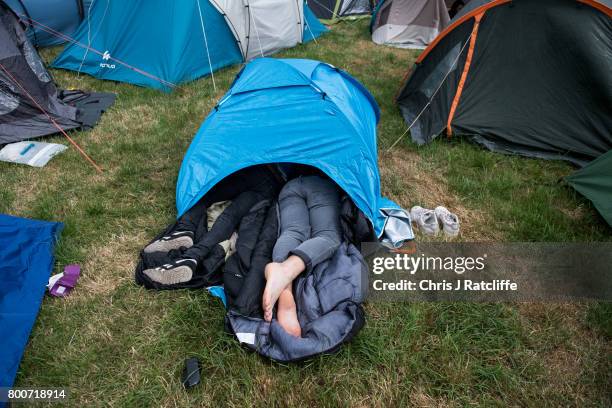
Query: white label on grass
[(248, 338), (54, 279)]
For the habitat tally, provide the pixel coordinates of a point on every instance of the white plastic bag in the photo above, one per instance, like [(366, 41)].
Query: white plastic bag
[(36, 154)]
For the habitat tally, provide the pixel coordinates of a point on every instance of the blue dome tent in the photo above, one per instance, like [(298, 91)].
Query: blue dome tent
[(303, 112), (161, 43), (49, 20), (293, 111)]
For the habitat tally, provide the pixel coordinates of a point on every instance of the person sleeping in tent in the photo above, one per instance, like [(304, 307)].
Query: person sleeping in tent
[(310, 232)]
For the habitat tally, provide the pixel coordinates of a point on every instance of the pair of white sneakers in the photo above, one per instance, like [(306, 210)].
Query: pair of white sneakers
[(429, 221)]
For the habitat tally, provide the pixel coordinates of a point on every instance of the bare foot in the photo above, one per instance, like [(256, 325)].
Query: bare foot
[(286, 313), (278, 277)]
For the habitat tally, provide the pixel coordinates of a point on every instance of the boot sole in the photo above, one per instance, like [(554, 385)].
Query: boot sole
[(179, 274), (167, 246)]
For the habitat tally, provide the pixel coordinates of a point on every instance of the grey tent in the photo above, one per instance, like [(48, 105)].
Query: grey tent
[(330, 11), (409, 23), (30, 103)]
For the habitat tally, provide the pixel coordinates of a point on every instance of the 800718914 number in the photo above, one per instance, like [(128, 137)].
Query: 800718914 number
[(33, 394)]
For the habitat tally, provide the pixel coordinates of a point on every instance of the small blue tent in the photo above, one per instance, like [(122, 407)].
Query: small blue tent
[(162, 43), (291, 111), (50, 20)]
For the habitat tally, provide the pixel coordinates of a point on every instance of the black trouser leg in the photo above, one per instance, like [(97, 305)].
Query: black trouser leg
[(224, 226)]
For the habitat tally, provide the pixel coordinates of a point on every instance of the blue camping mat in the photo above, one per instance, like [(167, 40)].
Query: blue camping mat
[(26, 261)]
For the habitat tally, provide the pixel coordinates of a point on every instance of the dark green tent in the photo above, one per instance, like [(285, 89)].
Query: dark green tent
[(528, 77), (594, 181)]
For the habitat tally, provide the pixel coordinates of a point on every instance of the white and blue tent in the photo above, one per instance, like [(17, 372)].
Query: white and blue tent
[(162, 43)]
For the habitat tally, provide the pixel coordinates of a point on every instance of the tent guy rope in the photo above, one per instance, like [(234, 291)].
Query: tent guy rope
[(75, 42), (90, 38), (428, 104), (212, 74), (76, 146)]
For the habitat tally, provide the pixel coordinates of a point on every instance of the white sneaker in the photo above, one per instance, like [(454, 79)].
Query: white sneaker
[(425, 219), (449, 221)]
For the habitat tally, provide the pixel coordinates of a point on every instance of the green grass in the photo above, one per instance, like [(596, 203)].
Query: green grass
[(115, 344)]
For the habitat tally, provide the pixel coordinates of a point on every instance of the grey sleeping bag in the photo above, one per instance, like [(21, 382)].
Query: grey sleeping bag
[(329, 309)]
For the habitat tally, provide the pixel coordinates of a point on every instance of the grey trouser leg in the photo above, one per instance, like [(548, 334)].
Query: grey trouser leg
[(309, 220)]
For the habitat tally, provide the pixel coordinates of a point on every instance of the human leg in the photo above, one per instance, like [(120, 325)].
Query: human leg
[(224, 226), (323, 201), (294, 220)]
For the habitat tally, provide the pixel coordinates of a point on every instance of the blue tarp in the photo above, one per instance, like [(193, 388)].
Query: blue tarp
[(26, 262), (157, 43), (290, 111)]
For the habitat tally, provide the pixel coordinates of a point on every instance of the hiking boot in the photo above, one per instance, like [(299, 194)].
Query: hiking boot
[(449, 221), (179, 271), (176, 240), (425, 220)]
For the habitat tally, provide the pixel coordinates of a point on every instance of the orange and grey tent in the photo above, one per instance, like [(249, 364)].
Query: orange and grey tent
[(528, 77)]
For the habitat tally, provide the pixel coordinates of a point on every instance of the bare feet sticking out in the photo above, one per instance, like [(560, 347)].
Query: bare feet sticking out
[(278, 277), (286, 313)]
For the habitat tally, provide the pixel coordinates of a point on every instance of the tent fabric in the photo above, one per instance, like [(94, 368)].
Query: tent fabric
[(312, 26), (454, 6), (161, 44), (531, 78), (594, 181), (26, 89), (276, 24), (26, 262), (330, 11), (409, 23), (44, 17), (290, 111)]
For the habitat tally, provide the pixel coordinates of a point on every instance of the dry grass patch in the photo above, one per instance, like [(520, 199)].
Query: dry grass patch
[(409, 180), (109, 265), (420, 399), (35, 183), (136, 119)]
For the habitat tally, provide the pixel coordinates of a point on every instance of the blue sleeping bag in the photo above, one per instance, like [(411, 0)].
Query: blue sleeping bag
[(26, 261)]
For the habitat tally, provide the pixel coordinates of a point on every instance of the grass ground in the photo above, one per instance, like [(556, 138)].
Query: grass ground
[(114, 344)]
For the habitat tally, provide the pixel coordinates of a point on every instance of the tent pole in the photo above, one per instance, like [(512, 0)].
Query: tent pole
[(256, 30)]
